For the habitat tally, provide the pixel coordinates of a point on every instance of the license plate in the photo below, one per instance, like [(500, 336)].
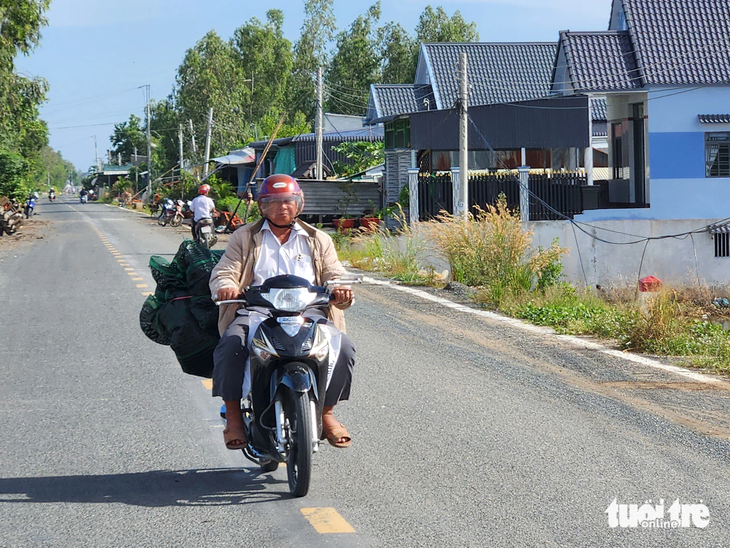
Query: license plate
[(205, 230)]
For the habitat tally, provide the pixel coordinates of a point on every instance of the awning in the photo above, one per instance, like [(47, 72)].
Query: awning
[(714, 118), (237, 157), (720, 229)]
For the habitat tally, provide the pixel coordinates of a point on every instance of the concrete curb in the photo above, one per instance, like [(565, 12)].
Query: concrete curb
[(706, 378)]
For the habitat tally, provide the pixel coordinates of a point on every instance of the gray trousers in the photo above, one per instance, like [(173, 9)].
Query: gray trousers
[(229, 360)]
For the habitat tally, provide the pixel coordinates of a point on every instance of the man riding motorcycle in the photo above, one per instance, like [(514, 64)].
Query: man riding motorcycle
[(202, 207), (277, 244)]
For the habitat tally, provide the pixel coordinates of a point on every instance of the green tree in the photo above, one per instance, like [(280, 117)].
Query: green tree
[(355, 65), (127, 137), (437, 26), (310, 53), (399, 51), (362, 155), (211, 75), (22, 134), (264, 57), (52, 167), (164, 123)]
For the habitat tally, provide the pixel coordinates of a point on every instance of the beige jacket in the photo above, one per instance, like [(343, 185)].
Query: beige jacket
[(235, 269)]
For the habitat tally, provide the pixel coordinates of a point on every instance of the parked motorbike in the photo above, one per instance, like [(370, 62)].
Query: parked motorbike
[(171, 213), (29, 207), (290, 362), (205, 233)]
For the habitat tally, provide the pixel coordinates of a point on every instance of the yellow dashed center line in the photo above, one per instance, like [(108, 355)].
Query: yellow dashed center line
[(327, 520), (123, 263), (207, 383), (146, 293), (130, 268), (137, 279), (132, 273), (142, 285)]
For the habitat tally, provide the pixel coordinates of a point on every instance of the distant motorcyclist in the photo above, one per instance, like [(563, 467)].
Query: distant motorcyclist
[(202, 207), (51, 194), (84, 195)]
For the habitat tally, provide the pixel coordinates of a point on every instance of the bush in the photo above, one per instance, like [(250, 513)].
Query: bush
[(493, 252)]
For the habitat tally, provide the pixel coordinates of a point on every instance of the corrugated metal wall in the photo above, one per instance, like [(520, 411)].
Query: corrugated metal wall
[(396, 173), (331, 197), (544, 123)]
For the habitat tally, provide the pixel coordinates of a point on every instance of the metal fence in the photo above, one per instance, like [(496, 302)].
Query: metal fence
[(560, 192), (434, 195)]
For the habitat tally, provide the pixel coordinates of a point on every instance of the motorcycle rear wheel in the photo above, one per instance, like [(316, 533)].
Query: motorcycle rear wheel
[(206, 241), (298, 413)]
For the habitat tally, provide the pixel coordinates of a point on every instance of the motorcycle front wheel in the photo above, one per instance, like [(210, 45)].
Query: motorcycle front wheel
[(298, 413), (176, 220)]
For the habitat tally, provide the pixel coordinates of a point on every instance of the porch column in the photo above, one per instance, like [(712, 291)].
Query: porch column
[(588, 160), (413, 194), (456, 190), (524, 194)]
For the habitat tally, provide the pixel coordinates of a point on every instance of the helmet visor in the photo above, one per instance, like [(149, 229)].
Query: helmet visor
[(267, 203)]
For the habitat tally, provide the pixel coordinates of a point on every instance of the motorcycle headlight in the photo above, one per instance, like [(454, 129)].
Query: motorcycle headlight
[(290, 300)]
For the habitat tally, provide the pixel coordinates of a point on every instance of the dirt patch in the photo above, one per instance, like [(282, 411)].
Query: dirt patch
[(31, 231)]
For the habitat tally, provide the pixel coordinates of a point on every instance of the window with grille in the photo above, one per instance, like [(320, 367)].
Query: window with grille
[(717, 154), (722, 244)]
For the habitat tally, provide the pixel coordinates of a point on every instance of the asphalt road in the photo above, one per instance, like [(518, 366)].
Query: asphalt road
[(467, 431)]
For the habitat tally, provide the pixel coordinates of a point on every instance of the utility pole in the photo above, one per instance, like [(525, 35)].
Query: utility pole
[(318, 123), (96, 154), (192, 136), (180, 138), (463, 207), (149, 148), (207, 142), (136, 172)]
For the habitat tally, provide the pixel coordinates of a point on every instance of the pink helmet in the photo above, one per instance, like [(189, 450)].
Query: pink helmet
[(204, 189), (277, 188)]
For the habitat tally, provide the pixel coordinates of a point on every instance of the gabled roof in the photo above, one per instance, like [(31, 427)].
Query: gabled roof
[(600, 61), (599, 109), (388, 100), (680, 41), (496, 72)]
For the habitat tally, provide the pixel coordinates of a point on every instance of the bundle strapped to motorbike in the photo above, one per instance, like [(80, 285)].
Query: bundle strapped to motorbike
[(181, 313)]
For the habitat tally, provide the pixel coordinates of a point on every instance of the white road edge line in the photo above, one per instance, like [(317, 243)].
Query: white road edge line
[(575, 341)]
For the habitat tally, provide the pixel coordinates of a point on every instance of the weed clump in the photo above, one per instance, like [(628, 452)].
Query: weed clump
[(490, 250)]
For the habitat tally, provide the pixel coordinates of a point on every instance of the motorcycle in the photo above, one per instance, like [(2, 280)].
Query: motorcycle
[(290, 363), (29, 207), (205, 233), (84, 198), (171, 213), (52, 196)]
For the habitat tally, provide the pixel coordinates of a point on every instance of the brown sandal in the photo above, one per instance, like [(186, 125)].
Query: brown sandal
[(232, 435), (336, 433)]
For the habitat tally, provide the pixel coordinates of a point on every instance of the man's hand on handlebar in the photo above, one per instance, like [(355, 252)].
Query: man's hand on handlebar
[(227, 294), (341, 294)]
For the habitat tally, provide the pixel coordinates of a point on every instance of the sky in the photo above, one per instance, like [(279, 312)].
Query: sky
[(96, 54)]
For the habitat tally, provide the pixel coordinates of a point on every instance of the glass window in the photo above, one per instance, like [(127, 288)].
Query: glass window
[(717, 154)]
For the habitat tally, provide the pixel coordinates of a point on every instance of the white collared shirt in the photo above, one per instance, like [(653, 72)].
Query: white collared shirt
[(292, 257)]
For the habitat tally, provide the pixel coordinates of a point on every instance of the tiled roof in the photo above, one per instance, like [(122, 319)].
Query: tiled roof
[(393, 99), (367, 133), (680, 41), (714, 118), (600, 61), (598, 109), (496, 72)]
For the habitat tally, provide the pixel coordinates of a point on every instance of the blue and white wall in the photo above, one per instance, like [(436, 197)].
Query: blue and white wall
[(678, 188)]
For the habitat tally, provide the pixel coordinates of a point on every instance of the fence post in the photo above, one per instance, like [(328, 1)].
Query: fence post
[(524, 193), (456, 190), (413, 194)]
